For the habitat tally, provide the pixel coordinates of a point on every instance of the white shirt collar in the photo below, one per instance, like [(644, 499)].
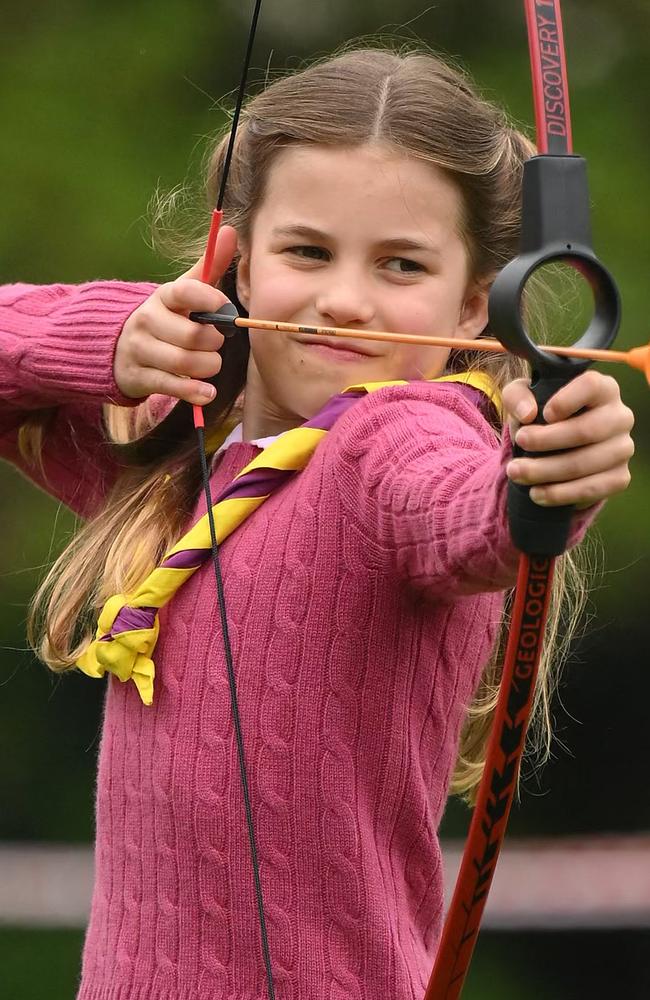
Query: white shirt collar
[(236, 435)]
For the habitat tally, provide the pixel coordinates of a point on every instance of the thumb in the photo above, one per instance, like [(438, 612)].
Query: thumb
[(519, 403), (225, 250)]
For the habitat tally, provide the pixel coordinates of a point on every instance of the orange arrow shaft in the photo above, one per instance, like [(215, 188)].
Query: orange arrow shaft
[(637, 358)]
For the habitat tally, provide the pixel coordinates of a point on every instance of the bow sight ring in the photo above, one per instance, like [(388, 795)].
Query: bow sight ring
[(555, 227)]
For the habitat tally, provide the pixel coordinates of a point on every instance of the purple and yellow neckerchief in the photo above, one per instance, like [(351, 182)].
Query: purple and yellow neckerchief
[(128, 625)]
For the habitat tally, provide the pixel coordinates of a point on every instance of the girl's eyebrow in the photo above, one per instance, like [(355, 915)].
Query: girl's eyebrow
[(301, 232), (318, 236), (402, 243)]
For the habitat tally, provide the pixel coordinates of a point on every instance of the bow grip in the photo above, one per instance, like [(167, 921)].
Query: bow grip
[(538, 530)]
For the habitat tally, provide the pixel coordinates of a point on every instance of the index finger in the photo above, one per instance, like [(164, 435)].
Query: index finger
[(186, 295), (588, 390)]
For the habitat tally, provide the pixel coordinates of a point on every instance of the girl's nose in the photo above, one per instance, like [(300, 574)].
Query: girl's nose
[(344, 303)]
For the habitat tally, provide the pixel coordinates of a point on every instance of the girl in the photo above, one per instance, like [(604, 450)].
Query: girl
[(364, 596)]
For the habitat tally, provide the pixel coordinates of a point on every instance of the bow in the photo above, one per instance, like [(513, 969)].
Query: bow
[(555, 227)]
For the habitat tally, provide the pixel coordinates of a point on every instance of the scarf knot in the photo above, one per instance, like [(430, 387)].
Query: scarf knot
[(124, 643)]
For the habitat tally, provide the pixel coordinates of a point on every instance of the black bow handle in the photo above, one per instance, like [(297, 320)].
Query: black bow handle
[(555, 227)]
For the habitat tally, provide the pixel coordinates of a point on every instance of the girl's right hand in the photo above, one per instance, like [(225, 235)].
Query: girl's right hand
[(160, 350)]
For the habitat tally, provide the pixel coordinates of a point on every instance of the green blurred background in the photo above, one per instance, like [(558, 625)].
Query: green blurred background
[(100, 103)]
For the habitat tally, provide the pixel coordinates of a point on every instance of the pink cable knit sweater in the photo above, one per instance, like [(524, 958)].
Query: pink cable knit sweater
[(363, 599)]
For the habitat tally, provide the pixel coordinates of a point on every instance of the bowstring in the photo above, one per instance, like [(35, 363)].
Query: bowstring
[(205, 472)]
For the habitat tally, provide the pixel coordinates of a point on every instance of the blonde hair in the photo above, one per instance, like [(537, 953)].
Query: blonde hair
[(412, 102)]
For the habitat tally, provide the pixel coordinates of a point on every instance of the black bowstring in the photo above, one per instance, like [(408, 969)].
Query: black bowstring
[(235, 714), (238, 103), (217, 565)]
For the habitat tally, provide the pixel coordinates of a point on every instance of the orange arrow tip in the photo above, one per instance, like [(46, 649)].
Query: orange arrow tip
[(639, 357)]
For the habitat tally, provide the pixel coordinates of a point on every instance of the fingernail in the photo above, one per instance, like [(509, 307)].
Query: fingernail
[(523, 410), (538, 497), (513, 471), (207, 392)]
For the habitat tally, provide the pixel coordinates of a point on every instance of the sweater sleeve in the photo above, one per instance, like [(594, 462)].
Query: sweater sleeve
[(421, 474), (57, 344)]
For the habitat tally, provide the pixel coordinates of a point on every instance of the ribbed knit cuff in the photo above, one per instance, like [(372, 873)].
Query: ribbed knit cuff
[(69, 338)]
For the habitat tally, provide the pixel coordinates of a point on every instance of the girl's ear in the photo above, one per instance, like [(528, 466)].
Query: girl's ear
[(474, 312), (244, 278)]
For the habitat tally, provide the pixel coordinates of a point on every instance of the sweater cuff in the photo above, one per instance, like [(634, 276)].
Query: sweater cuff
[(73, 345)]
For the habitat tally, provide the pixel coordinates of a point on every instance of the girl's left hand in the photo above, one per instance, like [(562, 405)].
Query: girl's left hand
[(595, 445)]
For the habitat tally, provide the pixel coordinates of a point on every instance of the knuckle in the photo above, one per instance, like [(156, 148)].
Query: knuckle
[(628, 416), (628, 447), (138, 340), (180, 361), (204, 365), (166, 292), (582, 435), (574, 467), (181, 286), (590, 492), (161, 383), (180, 388), (597, 385), (593, 380), (192, 336), (622, 479), (203, 338), (616, 418), (611, 385), (135, 322)]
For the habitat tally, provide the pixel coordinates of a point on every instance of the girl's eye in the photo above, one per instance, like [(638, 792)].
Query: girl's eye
[(402, 265), (309, 252)]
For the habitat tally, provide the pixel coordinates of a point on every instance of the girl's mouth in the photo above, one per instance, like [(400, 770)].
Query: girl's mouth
[(342, 350)]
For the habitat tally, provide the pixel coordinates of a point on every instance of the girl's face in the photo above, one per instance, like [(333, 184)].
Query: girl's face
[(362, 238)]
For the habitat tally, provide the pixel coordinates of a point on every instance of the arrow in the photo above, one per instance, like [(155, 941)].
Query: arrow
[(637, 357)]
